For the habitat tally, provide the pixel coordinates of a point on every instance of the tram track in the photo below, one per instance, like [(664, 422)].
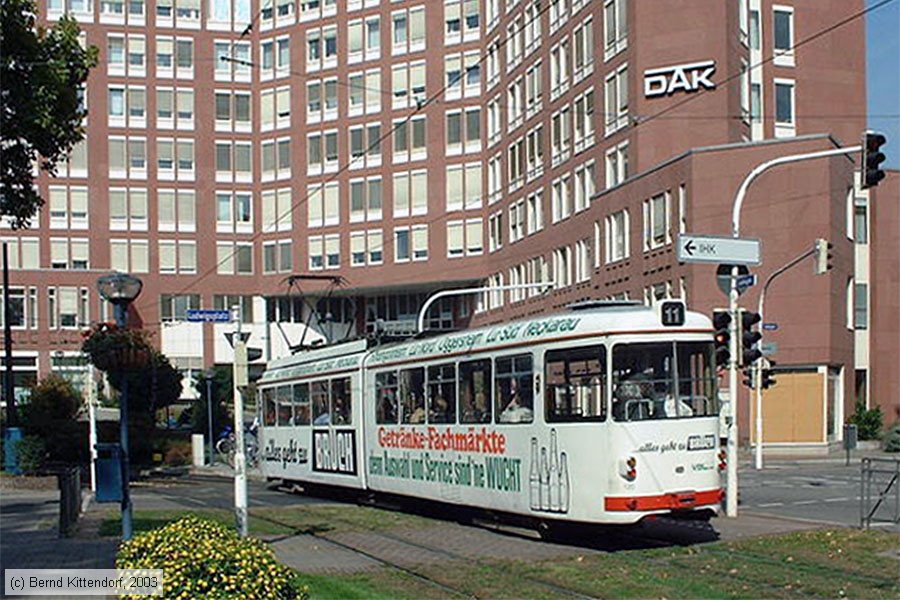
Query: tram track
[(419, 576)]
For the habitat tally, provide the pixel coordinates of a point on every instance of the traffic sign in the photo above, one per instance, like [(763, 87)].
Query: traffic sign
[(716, 249), (198, 315), (745, 281), (770, 326)]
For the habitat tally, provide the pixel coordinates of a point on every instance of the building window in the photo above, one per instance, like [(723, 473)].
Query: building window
[(323, 204), (785, 103), (174, 307), (584, 186), (617, 165), (562, 267), (177, 210), (783, 26), (68, 207), (583, 43), (464, 186), (617, 237), (516, 221), (177, 256), (410, 193), (534, 211), (129, 256), (127, 157), (128, 209), (861, 306), (461, 21), (860, 221), (365, 199), (560, 199), (656, 221), (616, 88), (228, 302), (615, 27), (408, 30)]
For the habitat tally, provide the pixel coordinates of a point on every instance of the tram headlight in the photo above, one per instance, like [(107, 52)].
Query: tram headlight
[(628, 468)]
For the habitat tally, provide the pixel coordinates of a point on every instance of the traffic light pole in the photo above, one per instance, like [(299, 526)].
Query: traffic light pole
[(757, 384), (731, 480)]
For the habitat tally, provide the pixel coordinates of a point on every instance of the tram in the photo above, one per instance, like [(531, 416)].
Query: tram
[(604, 414)]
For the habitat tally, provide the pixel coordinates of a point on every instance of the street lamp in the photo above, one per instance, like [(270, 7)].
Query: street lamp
[(209, 375), (121, 289)]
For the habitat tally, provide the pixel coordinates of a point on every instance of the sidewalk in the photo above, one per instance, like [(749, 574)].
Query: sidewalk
[(28, 529)]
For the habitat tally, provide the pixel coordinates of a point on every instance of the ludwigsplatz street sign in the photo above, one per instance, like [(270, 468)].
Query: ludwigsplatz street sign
[(715, 249), (208, 316)]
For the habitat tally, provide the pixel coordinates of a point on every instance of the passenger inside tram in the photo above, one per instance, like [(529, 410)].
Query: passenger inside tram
[(514, 411)]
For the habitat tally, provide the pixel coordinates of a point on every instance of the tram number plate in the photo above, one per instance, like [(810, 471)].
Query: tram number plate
[(672, 314), (334, 451), (701, 442)]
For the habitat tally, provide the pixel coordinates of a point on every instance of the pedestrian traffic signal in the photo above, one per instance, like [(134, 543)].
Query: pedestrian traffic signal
[(768, 376), (823, 256), (748, 338), (872, 157), (722, 323)]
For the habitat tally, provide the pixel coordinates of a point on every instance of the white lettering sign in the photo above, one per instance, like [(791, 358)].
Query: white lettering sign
[(689, 78)]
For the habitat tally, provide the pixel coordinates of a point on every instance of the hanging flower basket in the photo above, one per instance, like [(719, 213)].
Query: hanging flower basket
[(110, 348)]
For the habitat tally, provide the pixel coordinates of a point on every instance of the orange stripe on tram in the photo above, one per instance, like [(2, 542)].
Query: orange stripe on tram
[(672, 500)]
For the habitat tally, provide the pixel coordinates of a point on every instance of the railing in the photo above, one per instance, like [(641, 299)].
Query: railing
[(879, 491)]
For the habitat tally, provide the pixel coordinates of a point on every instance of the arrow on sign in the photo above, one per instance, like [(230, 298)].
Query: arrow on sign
[(689, 247)]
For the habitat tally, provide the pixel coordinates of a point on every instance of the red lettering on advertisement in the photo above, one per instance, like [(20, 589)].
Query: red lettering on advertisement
[(472, 439)]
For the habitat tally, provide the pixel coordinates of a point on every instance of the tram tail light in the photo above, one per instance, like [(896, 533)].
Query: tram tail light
[(628, 469)]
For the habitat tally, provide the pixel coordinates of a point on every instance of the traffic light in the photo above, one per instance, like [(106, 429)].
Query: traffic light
[(721, 323), (750, 377), (768, 375), (748, 338), (823, 256), (872, 157)]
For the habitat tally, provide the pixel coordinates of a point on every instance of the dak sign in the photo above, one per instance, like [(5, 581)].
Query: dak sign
[(689, 78)]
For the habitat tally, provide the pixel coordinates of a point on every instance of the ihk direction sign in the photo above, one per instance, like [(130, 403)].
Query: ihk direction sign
[(197, 315), (716, 249)]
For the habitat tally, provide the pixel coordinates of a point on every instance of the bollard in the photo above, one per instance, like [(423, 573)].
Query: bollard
[(69, 479)]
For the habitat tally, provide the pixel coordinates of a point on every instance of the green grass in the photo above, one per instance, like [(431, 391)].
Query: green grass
[(819, 563), (147, 520)]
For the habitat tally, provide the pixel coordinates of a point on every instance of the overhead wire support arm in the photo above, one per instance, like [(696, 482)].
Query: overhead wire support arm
[(420, 327)]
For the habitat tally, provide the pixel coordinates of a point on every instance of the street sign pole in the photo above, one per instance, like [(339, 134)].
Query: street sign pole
[(731, 478), (240, 462)]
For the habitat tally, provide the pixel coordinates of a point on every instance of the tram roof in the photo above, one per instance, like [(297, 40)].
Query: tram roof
[(581, 321)]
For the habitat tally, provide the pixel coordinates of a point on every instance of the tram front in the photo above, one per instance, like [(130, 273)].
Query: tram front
[(664, 430)]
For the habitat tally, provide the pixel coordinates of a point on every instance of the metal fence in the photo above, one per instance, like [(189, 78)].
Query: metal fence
[(879, 491)]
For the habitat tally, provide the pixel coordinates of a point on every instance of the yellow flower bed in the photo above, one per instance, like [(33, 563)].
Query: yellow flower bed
[(201, 558)]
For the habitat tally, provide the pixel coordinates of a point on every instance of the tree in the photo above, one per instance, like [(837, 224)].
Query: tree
[(222, 395), (41, 112), (51, 415)]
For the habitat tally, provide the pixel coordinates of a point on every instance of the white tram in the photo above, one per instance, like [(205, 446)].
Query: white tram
[(604, 414)]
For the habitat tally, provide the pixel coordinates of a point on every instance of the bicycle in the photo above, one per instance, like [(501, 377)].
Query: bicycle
[(226, 445)]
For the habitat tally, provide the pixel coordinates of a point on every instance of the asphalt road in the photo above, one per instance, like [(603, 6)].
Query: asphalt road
[(824, 493), (828, 493)]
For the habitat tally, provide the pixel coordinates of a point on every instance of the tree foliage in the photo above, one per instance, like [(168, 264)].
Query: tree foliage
[(41, 113), (51, 415), (222, 394)]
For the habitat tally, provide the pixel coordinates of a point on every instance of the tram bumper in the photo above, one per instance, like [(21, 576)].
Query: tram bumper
[(672, 501)]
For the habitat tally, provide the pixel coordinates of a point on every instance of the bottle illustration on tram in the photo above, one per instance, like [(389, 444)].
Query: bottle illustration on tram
[(549, 479)]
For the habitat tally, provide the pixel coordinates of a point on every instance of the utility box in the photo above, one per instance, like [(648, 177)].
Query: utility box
[(850, 436), (109, 473), (197, 450)]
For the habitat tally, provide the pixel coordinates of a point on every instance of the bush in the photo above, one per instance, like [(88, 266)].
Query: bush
[(51, 414), (31, 453), (867, 421), (178, 455), (202, 558), (892, 438)]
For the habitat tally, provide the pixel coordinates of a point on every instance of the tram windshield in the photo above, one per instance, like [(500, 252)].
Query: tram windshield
[(672, 380)]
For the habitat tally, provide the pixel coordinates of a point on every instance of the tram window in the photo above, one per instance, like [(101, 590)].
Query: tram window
[(643, 378), (696, 379), (412, 396), (576, 384), (341, 405), (475, 391), (442, 394), (285, 410), (269, 413), (301, 404), (513, 382), (386, 398), (318, 392)]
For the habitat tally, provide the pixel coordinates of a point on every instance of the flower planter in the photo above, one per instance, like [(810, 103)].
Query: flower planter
[(112, 349)]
